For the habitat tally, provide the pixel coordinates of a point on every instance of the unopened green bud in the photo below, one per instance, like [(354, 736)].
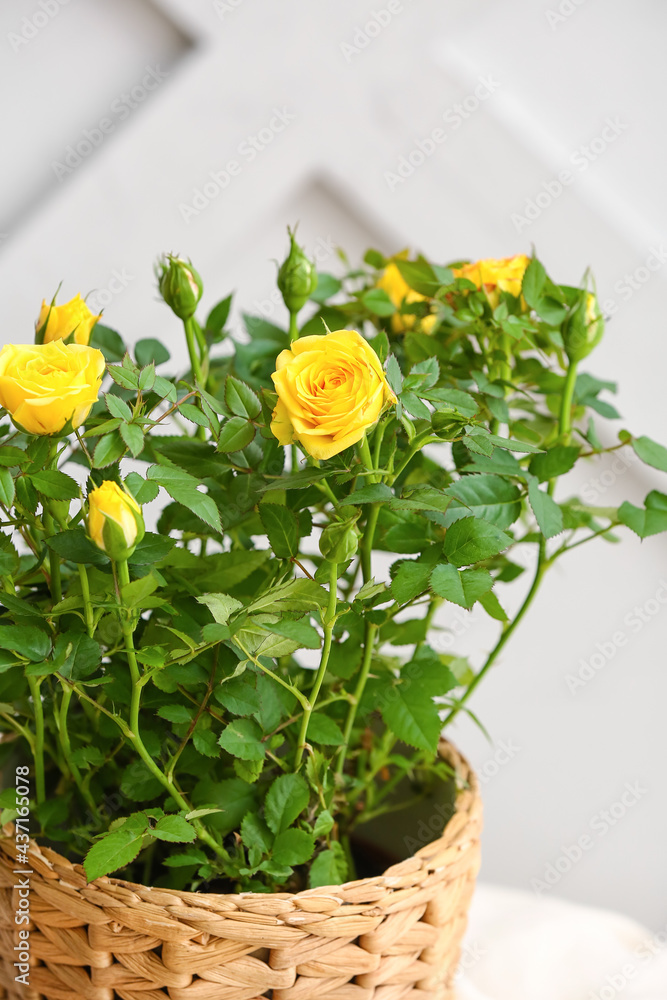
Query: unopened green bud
[(584, 327), (180, 285), (340, 541), (297, 277)]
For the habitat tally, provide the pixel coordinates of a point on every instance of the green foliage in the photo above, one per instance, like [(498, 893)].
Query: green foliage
[(205, 748)]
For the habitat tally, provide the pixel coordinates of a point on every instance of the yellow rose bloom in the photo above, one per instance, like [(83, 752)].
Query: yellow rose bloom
[(58, 322), (115, 521), (43, 386), (330, 389), (394, 284), (495, 276)]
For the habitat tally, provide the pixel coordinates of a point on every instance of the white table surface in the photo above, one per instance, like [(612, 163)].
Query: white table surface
[(521, 946)]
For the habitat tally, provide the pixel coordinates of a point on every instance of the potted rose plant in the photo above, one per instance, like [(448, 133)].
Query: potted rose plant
[(206, 714)]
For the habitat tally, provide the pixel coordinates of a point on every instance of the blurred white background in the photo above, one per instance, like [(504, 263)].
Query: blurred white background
[(120, 114)]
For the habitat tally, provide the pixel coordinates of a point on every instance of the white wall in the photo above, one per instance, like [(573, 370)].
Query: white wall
[(356, 112)]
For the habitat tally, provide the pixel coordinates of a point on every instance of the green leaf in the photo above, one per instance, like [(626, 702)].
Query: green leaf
[(378, 302), (9, 557), (293, 847), (123, 377), (133, 436), (554, 462), (282, 529), (236, 434), (256, 834), (492, 498), (139, 784), (114, 851), (241, 399), (26, 640), (6, 488), (216, 319), (147, 378), (651, 453), (462, 587), (327, 287), (651, 520), (83, 654), (176, 713), (323, 824), (300, 632), (141, 489), (286, 799), (74, 546), (109, 449), (472, 540), (205, 743), (175, 829), (55, 485), (411, 579), (221, 606), (108, 342), (182, 487), (394, 375), (148, 350), (408, 707), (117, 407), (192, 857), (151, 549), (329, 867), (493, 607), (238, 695), (323, 729), (375, 493), (232, 796), (548, 514), (243, 738), (512, 445), (9, 455), (534, 280), (420, 276)]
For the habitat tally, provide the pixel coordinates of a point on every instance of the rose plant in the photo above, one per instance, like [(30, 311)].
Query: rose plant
[(225, 699)]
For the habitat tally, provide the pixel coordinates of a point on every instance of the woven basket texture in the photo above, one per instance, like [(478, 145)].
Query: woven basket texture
[(391, 937)]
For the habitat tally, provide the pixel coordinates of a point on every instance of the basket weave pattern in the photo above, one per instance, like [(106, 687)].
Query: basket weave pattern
[(390, 937)]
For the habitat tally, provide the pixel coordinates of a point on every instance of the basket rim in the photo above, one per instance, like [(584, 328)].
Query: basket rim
[(456, 836)]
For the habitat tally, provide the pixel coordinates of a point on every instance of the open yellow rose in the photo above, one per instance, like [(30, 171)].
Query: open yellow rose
[(394, 284), (495, 276), (58, 322), (43, 386), (330, 390)]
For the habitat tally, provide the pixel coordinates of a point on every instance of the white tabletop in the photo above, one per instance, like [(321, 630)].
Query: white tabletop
[(520, 946)]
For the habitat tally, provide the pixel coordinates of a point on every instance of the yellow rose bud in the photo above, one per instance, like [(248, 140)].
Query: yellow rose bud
[(48, 387), (330, 390), (115, 521), (394, 284), (496, 276), (60, 322)]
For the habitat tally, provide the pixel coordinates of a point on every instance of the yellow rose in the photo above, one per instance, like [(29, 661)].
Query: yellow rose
[(330, 389), (394, 284), (58, 322), (495, 276), (115, 521), (45, 386)]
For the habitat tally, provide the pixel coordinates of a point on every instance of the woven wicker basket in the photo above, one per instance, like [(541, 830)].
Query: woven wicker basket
[(386, 938)]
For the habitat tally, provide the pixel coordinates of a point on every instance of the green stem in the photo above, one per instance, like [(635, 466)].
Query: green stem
[(565, 423), (367, 459), (191, 339), (328, 623), (135, 734), (63, 734), (369, 639), (87, 606), (40, 788), (367, 542), (293, 328), (54, 560)]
